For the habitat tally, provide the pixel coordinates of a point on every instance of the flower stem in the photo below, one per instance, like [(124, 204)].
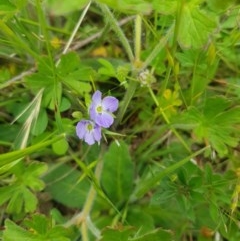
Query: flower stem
[(89, 202), (126, 100)]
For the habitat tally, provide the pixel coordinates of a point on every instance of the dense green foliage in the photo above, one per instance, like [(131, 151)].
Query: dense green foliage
[(168, 168)]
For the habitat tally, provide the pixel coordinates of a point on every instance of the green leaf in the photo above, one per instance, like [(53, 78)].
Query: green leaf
[(107, 68), (20, 198), (46, 79), (74, 74), (116, 234), (216, 122), (6, 193), (156, 235), (38, 223), (65, 104), (145, 185), (60, 147), (31, 175), (12, 231), (39, 228), (141, 220), (195, 27), (41, 123), (30, 201), (62, 183), (117, 174)]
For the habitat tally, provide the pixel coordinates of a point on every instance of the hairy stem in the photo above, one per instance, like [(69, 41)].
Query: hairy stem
[(115, 27), (138, 32)]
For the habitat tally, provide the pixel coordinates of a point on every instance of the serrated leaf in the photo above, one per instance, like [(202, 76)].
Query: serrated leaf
[(155, 235), (6, 193), (141, 220), (12, 231), (45, 79), (117, 174), (38, 223), (43, 230), (195, 27), (216, 122), (20, 198), (30, 200), (116, 234), (31, 175), (74, 74)]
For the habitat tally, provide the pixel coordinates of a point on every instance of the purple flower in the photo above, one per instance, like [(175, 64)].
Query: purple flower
[(88, 131), (101, 109)]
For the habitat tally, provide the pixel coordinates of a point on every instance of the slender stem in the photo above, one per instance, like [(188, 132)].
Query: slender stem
[(83, 217), (180, 5), (132, 84), (84, 231), (43, 26), (92, 193), (75, 29), (115, 26), (57, 85), (138, 32), (89, 202), (168, 122), (126, 100)]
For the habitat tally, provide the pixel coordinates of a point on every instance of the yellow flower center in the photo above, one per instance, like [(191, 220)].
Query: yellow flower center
[(99, 109), (89, 127)]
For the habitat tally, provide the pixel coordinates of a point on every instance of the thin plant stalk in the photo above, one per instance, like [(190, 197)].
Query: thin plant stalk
[(132, 83), (116, 28), (57, 84), (75, 30), (138, 33)]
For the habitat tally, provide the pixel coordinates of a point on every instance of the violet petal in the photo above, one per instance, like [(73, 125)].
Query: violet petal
[(104, 120), (97, 97), (97, 133), (110, 103), (81, 129), (89, 138)]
